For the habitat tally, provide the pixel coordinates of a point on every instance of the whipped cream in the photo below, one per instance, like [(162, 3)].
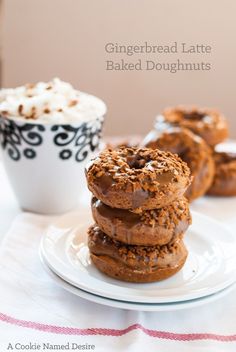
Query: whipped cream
[(52, 102)]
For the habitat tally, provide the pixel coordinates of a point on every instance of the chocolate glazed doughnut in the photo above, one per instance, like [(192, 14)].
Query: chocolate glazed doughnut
[(131, 178), (135, 263), (207, 123), (192, 149), (224, 183), (147, 228)]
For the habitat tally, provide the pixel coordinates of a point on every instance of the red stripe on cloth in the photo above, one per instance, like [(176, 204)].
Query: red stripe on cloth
[(115, 332)]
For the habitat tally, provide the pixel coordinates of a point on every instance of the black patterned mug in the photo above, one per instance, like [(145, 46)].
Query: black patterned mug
[(45, 162)]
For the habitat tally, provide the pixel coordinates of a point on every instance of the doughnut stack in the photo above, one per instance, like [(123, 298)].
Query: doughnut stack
[(140, 213), (194, 134)]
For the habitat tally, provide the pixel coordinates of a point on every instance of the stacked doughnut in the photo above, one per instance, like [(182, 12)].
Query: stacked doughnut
[(224, 182), (193, 134), (140, 213)]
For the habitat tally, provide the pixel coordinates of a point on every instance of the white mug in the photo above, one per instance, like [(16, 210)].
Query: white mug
[(45, 162)]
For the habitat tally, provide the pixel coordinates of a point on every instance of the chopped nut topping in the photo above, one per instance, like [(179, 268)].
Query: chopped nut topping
[(73, 103), (20, 109), (33, 114), (46, 111)]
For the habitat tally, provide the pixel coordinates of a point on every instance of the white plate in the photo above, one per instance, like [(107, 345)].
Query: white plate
[(146, 307), (210, 267)]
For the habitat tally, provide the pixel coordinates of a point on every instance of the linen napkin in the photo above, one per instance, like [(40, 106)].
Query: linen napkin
[(34, 310)]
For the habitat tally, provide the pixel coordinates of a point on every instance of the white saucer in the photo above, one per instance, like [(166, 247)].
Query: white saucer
[(210, 267), (145, 307)]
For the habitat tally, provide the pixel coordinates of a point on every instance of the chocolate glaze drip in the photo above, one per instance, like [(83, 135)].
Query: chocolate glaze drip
[(131, 219), (106, 182), (139, 197), (165, 178)]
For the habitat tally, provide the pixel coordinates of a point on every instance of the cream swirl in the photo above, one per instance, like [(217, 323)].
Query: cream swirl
[(50, 102)]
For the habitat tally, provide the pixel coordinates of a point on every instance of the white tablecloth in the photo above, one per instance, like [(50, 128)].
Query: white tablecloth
[(33, 309)]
